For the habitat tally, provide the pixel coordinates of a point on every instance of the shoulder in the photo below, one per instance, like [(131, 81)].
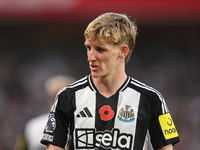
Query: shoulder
[(154, 96), (147, 91), (66, 96), (75, 86), (143, 88)]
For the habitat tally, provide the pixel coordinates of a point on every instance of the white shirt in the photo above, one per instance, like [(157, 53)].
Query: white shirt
[(34, 131)]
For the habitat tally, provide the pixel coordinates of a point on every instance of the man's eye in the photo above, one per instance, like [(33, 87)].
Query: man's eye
[(87, 48), (100, 49)]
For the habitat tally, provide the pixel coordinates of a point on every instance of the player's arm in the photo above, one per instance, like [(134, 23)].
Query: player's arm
[(53, 147), (168, 147)]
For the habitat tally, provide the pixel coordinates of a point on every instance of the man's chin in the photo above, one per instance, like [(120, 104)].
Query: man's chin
[(95, 75)]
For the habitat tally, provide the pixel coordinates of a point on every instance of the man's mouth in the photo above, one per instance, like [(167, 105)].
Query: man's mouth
[(93, 67)]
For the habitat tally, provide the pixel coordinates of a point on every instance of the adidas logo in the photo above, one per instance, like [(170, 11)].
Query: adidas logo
[(84, 113)]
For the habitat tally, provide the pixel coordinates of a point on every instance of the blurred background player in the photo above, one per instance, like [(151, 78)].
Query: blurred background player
[(33, 130)]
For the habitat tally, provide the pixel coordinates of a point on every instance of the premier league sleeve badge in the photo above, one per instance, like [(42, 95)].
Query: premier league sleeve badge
[(51, 124)]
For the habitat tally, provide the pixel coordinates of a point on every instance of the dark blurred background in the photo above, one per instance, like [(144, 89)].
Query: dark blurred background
[(40, 39)]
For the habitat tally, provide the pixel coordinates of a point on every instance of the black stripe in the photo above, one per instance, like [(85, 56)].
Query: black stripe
[(101, 101), (83, 114), (143, 120), (87, 112)]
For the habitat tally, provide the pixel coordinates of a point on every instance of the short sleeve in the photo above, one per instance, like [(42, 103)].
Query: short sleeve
[(162, 129), (56, 129)]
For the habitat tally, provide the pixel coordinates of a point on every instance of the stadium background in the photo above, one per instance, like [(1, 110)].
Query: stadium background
[(40, 39)]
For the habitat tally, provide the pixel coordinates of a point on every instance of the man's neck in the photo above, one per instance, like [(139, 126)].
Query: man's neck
[(108, 86)]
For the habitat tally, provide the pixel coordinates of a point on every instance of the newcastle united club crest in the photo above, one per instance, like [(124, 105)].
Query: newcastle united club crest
[(126, 114)]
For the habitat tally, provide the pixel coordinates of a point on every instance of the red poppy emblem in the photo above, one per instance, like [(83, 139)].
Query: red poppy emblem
[(106, 113)]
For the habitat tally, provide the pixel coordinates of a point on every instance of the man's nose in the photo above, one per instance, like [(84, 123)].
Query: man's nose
[(91, 55)]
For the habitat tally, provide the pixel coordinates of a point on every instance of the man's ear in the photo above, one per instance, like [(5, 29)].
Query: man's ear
[(124, 51)]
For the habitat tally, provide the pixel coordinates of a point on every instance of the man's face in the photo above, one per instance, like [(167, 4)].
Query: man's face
[(103, 58)]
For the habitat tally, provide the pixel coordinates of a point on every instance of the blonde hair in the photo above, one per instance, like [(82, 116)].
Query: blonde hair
[(113, 28)]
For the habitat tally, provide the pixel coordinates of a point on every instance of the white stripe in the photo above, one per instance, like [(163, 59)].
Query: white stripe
[(148, 143), (91, 84), (125, 84), (77, 84), (83, 99), (82, 79), (142, 85), (132, 98)]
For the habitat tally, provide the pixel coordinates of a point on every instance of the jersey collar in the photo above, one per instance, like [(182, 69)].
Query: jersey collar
[(93, 87)]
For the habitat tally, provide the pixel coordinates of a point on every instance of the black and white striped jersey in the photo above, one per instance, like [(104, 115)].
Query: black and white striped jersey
[(134, 115)]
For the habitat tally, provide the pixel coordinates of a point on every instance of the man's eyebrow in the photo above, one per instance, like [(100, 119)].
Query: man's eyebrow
[(100, 47)]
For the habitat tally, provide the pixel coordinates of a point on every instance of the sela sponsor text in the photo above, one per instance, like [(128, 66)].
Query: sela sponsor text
[(89, 138)]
